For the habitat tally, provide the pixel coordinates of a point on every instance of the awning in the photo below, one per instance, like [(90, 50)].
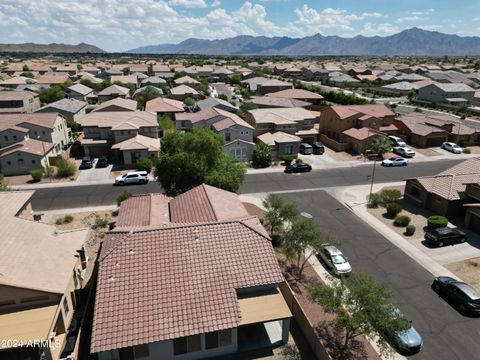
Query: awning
[(27, 325), (264, 308)]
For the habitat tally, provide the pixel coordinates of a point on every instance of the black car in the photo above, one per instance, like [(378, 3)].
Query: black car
[(318, 148), (87, 163), (102, 162), (296, 168), (445, 236), (462, 295)]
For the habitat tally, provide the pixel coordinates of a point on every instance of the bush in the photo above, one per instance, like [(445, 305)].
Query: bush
[(390, 196), (298, 161), (463, 143), (65, 168), (144, 164), (401, 221), (124, 195), (287, 159), (437, 221), (101, 222), (67, 219), (410, 230), (261, 156), (36, 174), (466, 151), (393, 209), (374, 200)]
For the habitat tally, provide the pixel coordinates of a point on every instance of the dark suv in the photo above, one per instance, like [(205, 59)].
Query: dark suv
[(87, 163), (445, 236)]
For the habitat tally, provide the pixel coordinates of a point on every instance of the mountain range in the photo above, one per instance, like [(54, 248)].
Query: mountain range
[(411, 42), (51, 48)]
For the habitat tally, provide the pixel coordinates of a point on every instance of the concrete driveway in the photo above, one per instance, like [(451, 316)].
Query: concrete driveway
[(94, 175)]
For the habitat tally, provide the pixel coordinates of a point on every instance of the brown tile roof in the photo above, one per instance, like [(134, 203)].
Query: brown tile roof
[(211, 113), (278, 102), (360, 134), (46, 120), (115, 90), (49, 79), (156, 285), (183, 90), (127, 104), (29, 146), (298, 94), (144, 210), (424, 124), (139, 142), (377, 110), (164, 105), (119, 120), (15, 95)]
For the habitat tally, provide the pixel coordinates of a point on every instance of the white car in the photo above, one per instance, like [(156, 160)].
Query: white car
[(452, 147), (134, 177), (395, 161), (396, 141), (335, 260), (404, 151)]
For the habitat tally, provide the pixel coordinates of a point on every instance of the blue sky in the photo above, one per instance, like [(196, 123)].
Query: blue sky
[(116, 25)]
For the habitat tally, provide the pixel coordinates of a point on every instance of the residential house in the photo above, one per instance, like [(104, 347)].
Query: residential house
[(70, 109), (18, 102), (39, 266), (428, 130), (164, 106), (272, 86), (445, 193), (79, 92), (451, 94), (16, 81), (139, 91), (298, 94), (216, 301), (104, 130), (53, 80), (341, 126), (211, 102), (182, 92), (112, 92), (117, 104), (237, 132), (274, 102), (186, 80), (153, 81), (125, 79), (281, 143)]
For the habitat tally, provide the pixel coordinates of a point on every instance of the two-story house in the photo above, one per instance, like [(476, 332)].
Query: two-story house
[(79, 92), (451, 94), (18, 102), (237, 132), (123, 136), (112, 92)]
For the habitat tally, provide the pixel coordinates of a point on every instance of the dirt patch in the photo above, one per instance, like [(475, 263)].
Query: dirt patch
[(474, 149), (341, 155), (80, 220), (467, 270)]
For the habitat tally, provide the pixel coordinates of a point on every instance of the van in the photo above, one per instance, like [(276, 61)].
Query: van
[(306, 149), (318, 148), (396, 141)]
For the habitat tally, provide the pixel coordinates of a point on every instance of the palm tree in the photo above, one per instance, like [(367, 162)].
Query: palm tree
[(381, 145)]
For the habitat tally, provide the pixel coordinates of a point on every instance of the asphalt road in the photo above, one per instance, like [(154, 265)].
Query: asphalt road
[(446, 333), (100, 195)]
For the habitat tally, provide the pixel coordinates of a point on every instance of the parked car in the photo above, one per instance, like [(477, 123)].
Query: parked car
[(404, 151), (452, 147), (102, 162), (406, 342), (296, 168), (445, 236), (335, 260), (134, 177), (318, 148), (87, 163), (396, 141), (306, 149), (395, 161), (458, 293)]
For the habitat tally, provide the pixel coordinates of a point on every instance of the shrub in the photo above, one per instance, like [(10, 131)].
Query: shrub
[(261, 156), (65, 168), (374, 200), (401, 221), (463, 143), (101, 222), (410, 230), (437, 221), (390, 196), (298, 161), (287, 159), (68, 219), (36, 174), (144, 164), (124, 195), (466, 151), (393, 209), (59, 221)]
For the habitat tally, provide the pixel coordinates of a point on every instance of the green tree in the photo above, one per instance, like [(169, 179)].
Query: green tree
[(234, 79), (192, 158), (362, 307), (144, 164), (124, 195), (412, 94), (146, 95), (25, 68), (223, 97), (380, 145), (27, 74), (261, 156), (190, 102), (126, 70), (79, 67), (303, 235), (51, 94), (165, 122), (278, 213)]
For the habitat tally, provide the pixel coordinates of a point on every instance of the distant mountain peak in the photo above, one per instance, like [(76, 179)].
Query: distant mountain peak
[(51, 48), (413, 41)]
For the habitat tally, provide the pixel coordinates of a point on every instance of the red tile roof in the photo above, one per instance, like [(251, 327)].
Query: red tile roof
[(164, 105), (377, 110)]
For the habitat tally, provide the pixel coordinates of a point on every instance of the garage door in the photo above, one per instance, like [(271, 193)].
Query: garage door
[(475, 223), (431, 142)]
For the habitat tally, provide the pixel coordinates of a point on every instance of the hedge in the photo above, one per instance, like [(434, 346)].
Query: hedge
[(437, 221)]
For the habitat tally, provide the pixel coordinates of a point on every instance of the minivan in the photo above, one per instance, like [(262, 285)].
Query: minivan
[(318, 148), (306, 149), (396, 141)]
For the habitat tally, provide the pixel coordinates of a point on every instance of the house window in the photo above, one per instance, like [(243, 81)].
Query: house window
[(414, 191), (183, 124), (43, 133), (14, 137), (288, 149), (9, 163), (34, 161), (227, 136), (218, 339), (187, 344), (65, 305), (438, 198), (6, 138), (141, 351)]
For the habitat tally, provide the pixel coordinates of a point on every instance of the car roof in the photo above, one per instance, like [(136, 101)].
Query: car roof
[(306, 144), (467, 289), (444, 230), (332, 250)]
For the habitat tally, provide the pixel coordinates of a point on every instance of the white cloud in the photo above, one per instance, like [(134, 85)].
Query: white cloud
[(384, 29), (190, 4), (423, 12), (216, 3), (410, 19)]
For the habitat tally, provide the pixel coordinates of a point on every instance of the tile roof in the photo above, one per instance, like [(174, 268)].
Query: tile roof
[(81, 89), (156, 285), (125, 79), (299, 94), (185, 80), (53, 79), (46, 120), (377, 110), (15, 95), (126, 104), (115, 90), (144, 210), (69, 105), (360, 134), (281, 115), (139, 142), (29, 146), (424, 124), (278, 137), (278, 102), (213, 113), (119, 119), (33, 254), (183, 89), (164, 105), (153, 80)]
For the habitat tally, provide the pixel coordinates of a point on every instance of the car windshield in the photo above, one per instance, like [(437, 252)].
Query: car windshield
[(456, 146), (338, 259), (124, 175)]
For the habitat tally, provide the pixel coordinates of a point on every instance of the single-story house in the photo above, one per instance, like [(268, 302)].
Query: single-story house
[(117, 104), (281, 143), (181, 92), (113, 92), (164, 106), (79, 92)]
